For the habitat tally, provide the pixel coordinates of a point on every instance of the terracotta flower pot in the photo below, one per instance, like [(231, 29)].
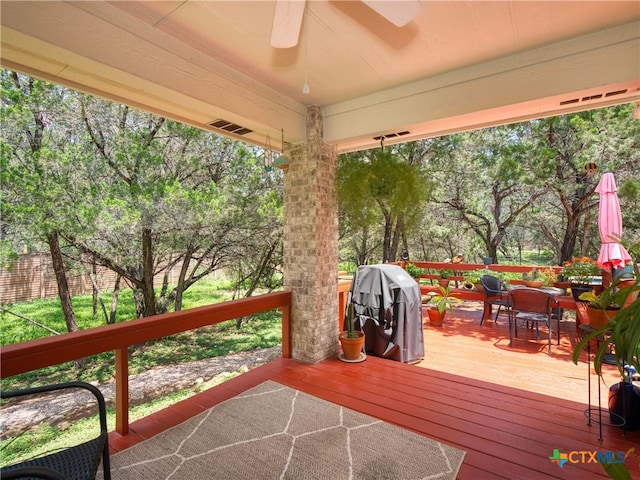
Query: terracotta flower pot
[(443, 282), (351, 347), (436, 318), (598, 318)]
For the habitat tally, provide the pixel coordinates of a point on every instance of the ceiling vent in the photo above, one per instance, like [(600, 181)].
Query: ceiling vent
[(392, 135), (229, 127), (593, 97)]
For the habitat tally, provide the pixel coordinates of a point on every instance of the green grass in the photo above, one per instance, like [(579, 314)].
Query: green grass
[(260, 331)]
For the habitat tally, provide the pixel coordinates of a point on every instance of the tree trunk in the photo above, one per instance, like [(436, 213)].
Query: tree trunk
[(94, 283), (183, 274), (53, 241), (147, 274), (138, 298), (395, 241), (114, 300), (569, 242), (386, 247)]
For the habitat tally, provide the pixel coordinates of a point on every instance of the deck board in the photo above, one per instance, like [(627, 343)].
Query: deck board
[(508, 408)]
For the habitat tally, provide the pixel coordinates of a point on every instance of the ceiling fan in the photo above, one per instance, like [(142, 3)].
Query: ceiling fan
[(287, 18)]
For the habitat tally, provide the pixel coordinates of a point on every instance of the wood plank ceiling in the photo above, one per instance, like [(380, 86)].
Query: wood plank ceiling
[(456, 66)]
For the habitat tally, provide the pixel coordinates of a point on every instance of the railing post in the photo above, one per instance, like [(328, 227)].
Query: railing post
[(122, 390), (343, 293), (286, 330)]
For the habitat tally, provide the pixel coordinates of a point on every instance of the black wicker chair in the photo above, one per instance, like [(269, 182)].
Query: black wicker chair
[(493, 295), (79, 462)]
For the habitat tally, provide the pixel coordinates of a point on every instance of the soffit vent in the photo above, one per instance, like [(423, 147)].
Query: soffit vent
[(392, 135), (593, 97), (230, 127)]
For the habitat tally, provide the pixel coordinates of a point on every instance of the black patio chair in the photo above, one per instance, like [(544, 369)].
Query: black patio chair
[(533, 306), (79, 462), (493, 295)]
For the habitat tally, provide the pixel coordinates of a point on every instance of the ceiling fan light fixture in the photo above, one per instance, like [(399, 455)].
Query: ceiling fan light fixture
[(288, 15), (398, 12)]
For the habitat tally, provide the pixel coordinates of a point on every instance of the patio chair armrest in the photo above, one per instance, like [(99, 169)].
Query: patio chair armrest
[(32, 472)]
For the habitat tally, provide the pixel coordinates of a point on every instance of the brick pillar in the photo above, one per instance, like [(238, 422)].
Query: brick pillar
[(311, 244)]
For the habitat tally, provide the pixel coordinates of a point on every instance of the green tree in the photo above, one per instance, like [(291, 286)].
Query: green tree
[(607, 137), (162, 195), (103, 184), (488, 179), (38, 173), (382, 189)]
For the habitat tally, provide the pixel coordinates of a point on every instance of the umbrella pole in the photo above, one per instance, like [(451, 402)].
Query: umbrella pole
[(607, 277)]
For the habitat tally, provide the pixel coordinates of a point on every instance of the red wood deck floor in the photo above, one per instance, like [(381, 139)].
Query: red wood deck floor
[(508, 408)]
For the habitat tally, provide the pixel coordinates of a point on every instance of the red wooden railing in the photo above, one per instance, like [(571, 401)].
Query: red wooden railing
[(466, 267), (462, 293), (44, 352)]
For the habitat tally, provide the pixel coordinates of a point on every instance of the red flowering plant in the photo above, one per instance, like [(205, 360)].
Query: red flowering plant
[(581, 269)]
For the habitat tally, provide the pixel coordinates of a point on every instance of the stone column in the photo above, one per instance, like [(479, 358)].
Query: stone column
[(311, 244)]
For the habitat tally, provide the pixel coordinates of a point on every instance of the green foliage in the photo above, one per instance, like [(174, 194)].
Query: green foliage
[(623, 329), (603, 301), (8, 255), (445, 273), (581, 269), (380, 192), (413, 270), (473, 276), (349, 267), (443, 300), (133, 192), (260, 331)]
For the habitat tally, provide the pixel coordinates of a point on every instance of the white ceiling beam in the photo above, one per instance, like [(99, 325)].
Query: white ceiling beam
[(546, 72)]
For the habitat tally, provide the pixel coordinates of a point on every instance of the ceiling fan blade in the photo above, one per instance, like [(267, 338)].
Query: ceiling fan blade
[(287, 21), (398, 12)]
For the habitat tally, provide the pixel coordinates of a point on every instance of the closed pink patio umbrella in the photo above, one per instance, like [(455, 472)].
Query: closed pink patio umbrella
[(612, 254)]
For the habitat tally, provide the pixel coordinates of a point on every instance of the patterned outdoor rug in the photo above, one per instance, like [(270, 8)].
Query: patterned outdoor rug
[(274, 432)]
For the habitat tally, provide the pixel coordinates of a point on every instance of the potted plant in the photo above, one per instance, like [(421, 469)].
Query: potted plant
[(351, 339), (532, 278), (601, 308), (580, 272), (472, 279), (623, 331), (414, 271), (548, 277), (444, 274), (439, 304)]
